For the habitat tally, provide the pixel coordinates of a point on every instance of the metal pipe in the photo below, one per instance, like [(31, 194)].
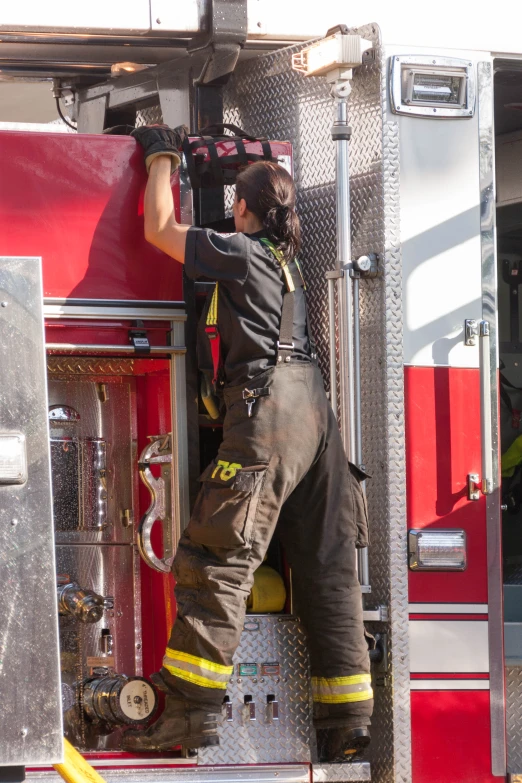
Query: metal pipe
[(81, 348), (357, 373), (332, 346), (344, 250)]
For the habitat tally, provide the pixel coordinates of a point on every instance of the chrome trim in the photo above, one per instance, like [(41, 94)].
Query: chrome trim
[(80, 348), (489, 313), (440, 111), (486, 412), (362, 554), (180, 460), (190, 773), (158, 452), (111, 311), (345, 284)]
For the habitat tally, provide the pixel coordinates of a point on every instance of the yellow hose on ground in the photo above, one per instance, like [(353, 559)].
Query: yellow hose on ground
[(75, 769)]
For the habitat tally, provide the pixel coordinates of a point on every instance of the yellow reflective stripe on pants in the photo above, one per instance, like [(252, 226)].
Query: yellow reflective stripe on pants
[(341, 690), (199, 671)]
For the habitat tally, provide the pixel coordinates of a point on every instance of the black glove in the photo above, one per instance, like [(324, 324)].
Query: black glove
[(161, 140)]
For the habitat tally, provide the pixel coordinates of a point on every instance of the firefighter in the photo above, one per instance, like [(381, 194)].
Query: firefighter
[(281, 464)]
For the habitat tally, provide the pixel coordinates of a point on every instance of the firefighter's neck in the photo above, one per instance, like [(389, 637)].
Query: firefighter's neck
[(248, 223)]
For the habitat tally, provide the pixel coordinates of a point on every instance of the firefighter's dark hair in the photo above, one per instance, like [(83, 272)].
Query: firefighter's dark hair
[(269, 192)]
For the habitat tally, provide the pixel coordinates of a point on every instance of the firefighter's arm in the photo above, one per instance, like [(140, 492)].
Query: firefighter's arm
[(161, 228)]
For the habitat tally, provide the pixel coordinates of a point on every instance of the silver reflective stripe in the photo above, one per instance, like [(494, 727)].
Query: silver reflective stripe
[(199, 671), (338, 690)]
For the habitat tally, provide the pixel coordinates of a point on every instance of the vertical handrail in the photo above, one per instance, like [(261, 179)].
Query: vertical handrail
[(344, 252), (486, 410), (362, 554), (348, 300)]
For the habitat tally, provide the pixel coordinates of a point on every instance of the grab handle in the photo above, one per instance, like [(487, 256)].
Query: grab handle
[(486, 412), (159, 451)]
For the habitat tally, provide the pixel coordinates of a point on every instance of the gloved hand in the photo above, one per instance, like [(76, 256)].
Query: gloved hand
[(161, 140)]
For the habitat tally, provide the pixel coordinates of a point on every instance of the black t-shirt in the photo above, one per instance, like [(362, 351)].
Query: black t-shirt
[(250, 301)]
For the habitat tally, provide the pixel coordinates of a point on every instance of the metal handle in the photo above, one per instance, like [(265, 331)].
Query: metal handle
[(486, 413), (159, 451)]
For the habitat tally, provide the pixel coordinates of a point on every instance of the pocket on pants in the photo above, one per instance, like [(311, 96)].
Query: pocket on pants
[(360, 506), (226, 507)]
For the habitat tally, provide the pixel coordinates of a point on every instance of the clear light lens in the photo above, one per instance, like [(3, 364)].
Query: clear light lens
[(437, 550), (13, 461), (323, 55), (436, 88)]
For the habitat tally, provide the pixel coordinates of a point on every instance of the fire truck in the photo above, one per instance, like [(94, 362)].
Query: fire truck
[(404, 137)]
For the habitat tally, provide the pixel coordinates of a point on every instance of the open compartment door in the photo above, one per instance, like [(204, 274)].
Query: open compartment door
[(29, 652)]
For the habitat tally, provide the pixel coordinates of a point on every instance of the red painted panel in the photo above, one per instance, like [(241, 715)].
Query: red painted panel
[(158, 606), (77, 201), (451, 737), (442, 408)]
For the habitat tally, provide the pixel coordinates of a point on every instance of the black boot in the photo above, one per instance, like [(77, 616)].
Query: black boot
[(341, 744), (180, 723)]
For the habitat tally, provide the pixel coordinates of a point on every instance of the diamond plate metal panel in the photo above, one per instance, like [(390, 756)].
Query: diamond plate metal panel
[(149, 116), (267, 639), (266, 97), (340, 773), (514, 719)]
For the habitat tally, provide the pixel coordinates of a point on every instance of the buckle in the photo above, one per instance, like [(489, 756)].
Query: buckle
[(211, 332), (285, 346)]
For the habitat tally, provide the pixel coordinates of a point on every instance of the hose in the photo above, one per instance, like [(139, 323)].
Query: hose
[(75, 769), (62, 115)]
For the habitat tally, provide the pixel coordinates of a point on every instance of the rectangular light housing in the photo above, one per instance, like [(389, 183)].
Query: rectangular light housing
[(13, 458), (437, 550), (434, 87), (339, 51)]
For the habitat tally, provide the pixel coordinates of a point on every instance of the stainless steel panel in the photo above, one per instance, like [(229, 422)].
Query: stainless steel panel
[(79, 484), (258, 774), (265, 97), (29, 653), (107, 421), (489, 314), (267, 639), (76, 17), (110, 571)]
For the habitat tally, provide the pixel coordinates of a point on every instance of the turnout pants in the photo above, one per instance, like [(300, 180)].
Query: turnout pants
[(280, 470)]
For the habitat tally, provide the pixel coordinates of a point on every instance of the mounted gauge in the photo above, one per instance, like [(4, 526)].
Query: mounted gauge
[(438, 87)]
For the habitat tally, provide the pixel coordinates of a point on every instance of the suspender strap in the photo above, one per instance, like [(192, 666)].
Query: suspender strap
[(285, 344)]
